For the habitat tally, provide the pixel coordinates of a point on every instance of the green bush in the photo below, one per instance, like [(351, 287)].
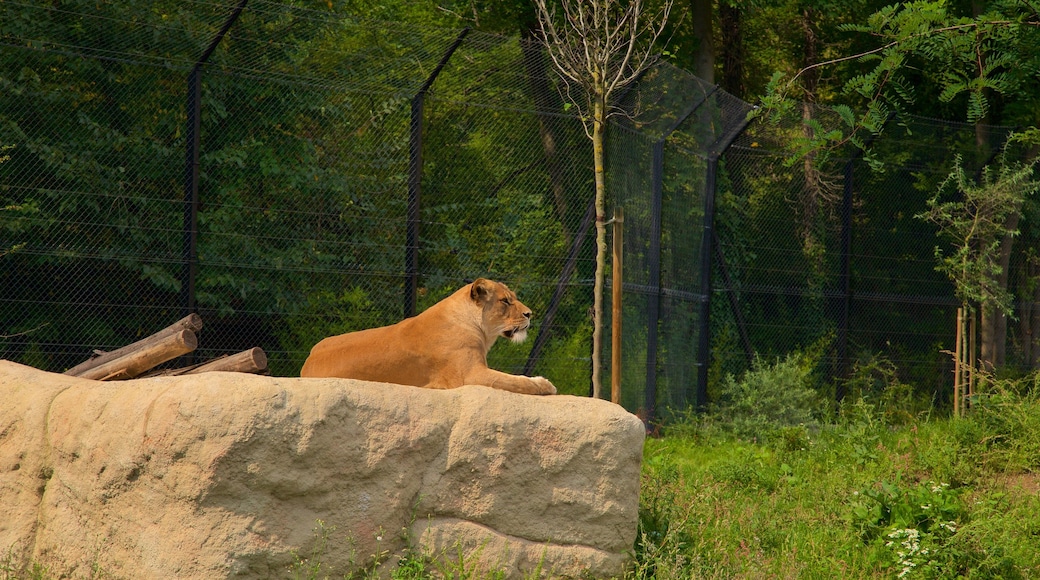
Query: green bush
[(1007, 413), (766, 399), (874, 380)]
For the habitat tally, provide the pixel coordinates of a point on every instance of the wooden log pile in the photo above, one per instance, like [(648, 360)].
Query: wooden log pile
[(138, 359)]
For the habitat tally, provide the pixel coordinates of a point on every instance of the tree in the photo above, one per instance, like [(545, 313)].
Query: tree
[(980, 219), (599, 47), (967, 59), (733, 50)]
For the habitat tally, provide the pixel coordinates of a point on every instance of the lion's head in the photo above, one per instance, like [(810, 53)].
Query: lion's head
[(503, 314)]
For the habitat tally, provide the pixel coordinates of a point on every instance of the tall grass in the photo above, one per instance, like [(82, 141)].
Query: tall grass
[(867, 493)]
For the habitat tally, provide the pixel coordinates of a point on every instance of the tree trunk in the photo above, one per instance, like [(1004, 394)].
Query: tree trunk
[(993, 331), (151, 352), (731, 46), (1034, 324), (987, 336), (1027, 326), (993, 322), (599, 115), (1000, 334), (703, 30), (252, 361), (810, 53), (815, 195)]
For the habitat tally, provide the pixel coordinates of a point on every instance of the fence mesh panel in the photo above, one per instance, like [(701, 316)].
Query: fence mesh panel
[(304, 164), (784, 252), (306, 122)]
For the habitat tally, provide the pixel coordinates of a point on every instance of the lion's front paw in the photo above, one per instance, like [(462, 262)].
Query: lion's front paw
[(544, 386)]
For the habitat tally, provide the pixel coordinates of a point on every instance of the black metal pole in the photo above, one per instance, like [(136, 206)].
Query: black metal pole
[(415, 168), (561, 286), (653, 307), (845, 271), (653, 311), (707, 240), (845, 276), (411, 260), (189, 252), (734, 304)]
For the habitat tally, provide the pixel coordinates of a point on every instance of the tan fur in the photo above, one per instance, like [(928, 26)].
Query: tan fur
[(444, 347)]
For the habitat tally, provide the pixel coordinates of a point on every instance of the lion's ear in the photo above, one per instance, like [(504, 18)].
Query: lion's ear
[(480, 291)]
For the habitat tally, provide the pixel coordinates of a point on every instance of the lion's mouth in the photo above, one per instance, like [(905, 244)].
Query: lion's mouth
[(516, 334)]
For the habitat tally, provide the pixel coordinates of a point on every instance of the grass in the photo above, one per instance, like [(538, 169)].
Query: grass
[(859, 498)]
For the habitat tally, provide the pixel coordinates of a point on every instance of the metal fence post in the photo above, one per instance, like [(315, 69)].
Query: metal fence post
[(653, 307), (845, 272), (845, 276), (734, 304), (654, 258), (707, 238), (189, 252), (415, 164)]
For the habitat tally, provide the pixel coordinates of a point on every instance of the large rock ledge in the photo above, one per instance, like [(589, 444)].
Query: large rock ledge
[(226, 475)]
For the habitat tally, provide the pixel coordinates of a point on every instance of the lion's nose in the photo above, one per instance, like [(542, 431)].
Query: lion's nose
[(527, 314)]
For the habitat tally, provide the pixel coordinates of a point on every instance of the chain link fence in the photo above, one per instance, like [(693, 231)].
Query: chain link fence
[(292, 173), (835, 259)]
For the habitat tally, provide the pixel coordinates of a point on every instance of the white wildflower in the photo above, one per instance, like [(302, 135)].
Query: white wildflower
[(909, 544), (907, 568)]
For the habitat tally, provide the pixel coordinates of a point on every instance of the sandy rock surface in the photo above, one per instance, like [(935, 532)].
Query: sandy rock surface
[(226, 475)]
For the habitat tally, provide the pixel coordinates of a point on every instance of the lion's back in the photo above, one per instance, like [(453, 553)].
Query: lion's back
[(354, 355)]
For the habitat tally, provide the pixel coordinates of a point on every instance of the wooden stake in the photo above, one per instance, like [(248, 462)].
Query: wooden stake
[(615, 317), (972, 359), (192, 322), (155, 350), (958, 368)]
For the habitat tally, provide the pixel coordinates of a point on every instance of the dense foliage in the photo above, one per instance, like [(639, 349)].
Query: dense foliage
[(304, 169), (303, 178)]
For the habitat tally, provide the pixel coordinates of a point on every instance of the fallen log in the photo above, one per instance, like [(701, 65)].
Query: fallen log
[(153, 351), (192, 322), (252, 361)]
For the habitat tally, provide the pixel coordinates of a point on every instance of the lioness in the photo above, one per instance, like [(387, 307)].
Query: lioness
[(444, 347)]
